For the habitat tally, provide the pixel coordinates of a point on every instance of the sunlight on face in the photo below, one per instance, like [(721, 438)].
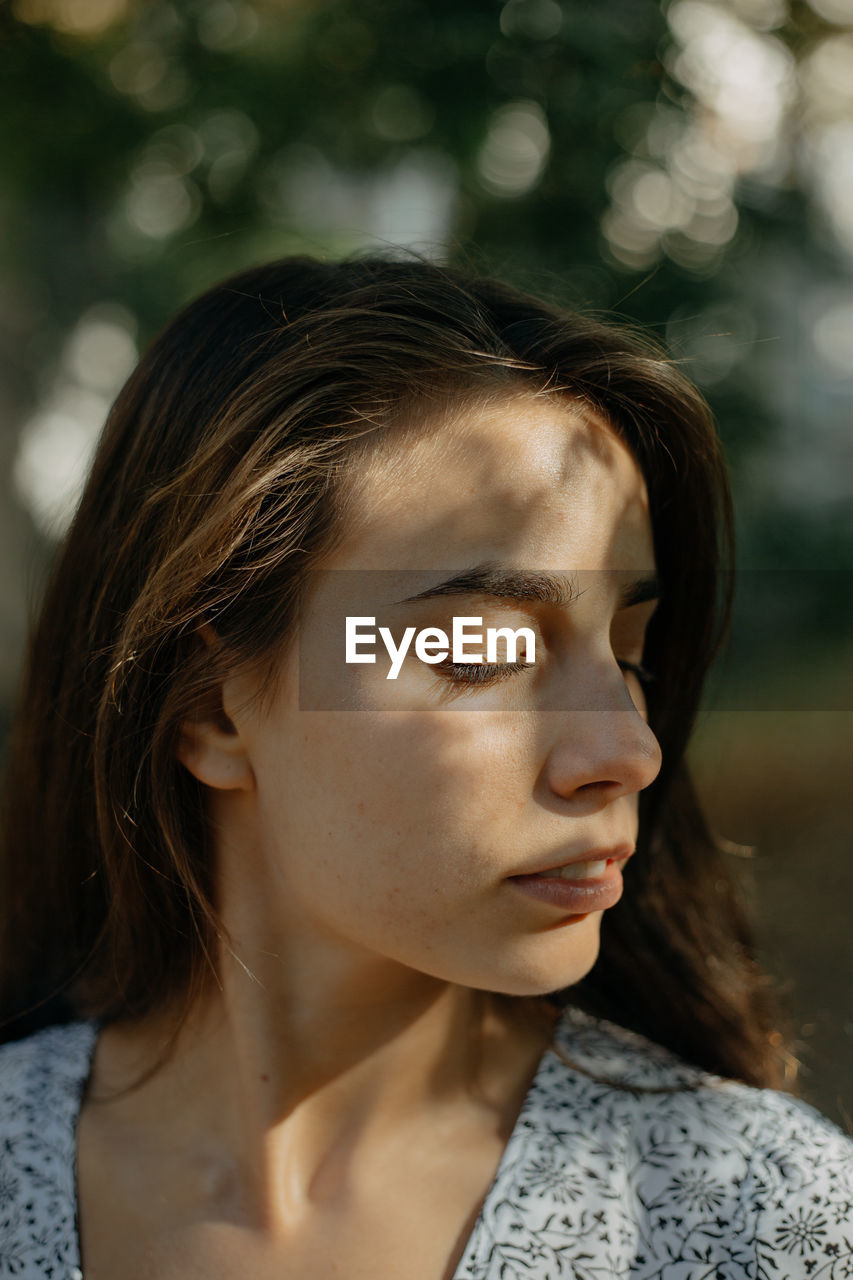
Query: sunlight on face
[(392, 823)]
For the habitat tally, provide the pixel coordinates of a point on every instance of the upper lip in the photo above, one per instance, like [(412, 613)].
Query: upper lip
[(586, 855)]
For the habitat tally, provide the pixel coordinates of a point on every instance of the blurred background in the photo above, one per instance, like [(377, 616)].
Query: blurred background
[(685, 165)]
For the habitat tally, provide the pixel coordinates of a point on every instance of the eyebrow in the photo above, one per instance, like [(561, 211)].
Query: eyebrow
[(532, 588)]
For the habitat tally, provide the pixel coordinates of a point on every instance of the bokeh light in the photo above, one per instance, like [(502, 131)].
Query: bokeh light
[(513, 156), (56, 443)]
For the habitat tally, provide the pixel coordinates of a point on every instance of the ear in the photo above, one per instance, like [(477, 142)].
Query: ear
[(211, 746)]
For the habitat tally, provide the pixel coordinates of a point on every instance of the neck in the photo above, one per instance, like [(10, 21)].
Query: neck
[(291, 1088)]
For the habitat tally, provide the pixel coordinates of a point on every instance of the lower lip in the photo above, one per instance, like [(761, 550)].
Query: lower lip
[(574, 896)]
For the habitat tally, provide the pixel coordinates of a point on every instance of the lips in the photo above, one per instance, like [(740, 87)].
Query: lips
[(611, 854)]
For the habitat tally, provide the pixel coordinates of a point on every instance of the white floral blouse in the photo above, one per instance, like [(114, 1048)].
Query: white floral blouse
[(712, 1181)]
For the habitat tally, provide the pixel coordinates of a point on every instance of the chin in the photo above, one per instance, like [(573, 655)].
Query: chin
[(563, 962)]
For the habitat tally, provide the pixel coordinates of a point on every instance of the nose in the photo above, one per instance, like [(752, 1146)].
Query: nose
[(601, 751)]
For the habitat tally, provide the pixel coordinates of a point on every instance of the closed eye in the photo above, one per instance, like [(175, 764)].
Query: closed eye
[(474, 673), (462, 679), (642, 673), (485, 673)]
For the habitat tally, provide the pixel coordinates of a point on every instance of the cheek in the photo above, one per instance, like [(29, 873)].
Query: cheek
[(433, 796)]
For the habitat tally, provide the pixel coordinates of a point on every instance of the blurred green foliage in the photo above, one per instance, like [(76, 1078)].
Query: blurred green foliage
[(148, 149)]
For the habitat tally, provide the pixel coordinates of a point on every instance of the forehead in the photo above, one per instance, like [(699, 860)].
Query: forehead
[(532, 480)]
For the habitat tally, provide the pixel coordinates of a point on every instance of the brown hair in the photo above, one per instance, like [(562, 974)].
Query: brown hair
[(216, 487)]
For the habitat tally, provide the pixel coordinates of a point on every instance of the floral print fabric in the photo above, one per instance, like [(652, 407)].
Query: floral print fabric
[(712, 1180), (41, 1086)]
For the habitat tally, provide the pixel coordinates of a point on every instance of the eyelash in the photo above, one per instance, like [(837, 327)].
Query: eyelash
[(483, 673), (642, 673)]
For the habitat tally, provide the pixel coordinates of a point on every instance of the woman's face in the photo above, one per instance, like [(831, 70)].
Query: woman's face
[(392, 820)]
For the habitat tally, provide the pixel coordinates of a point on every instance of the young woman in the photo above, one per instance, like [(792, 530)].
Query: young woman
[(425, 967)]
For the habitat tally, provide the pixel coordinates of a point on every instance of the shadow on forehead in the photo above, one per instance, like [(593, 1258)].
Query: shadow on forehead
[(483, 470)]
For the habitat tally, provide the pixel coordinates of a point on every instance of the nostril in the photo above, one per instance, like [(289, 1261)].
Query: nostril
[(601, 784)]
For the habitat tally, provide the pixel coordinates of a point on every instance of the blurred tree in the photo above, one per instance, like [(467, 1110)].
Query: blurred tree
[(621, 156)]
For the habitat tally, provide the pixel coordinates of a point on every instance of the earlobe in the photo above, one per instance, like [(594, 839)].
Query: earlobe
[(213, 749), (214, 752), (210, 746)]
